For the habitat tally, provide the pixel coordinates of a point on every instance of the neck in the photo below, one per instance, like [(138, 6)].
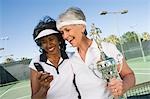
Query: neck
[(54, 59), (83, 47)]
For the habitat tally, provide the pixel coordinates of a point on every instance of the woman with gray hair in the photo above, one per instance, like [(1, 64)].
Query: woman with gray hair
[(72, 25)]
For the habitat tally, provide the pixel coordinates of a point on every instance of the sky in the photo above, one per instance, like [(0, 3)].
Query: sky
[(19, 17)]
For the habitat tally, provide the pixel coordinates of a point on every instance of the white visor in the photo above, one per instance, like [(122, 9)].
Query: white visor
[(45, 33), (69, 22)]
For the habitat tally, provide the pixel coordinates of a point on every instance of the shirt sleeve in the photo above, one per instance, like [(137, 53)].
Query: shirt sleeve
[(111, 51)]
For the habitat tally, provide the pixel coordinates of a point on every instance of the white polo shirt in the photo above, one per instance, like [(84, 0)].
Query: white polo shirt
[(89, 85), (62, 86)]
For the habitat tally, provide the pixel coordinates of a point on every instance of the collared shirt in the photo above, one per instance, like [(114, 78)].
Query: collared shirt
[(62, 86), (89, 85)]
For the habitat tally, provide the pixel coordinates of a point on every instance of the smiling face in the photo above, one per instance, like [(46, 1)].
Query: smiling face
[(50, 44), (73, 34)]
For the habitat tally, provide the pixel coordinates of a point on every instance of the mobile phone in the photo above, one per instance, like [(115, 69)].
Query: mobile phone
[(38, 67)]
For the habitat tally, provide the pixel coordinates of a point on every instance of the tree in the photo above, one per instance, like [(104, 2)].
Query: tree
[(112, 39), (24, 58), (130, 37), (9, 60), (146, 36)]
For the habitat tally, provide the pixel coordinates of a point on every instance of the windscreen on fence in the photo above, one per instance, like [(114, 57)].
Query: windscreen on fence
[(134, 50), (13, 72)]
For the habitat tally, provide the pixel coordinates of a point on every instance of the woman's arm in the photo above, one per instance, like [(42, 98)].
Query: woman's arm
[(40, 84), (127, 76), (119, 86)]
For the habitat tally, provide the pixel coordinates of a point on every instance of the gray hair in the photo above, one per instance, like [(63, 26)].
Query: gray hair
[(72, 15)]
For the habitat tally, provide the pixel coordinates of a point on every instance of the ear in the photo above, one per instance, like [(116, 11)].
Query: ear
[(59, 44), (41, 48)]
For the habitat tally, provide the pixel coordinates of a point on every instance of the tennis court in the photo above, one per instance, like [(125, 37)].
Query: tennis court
[(21, 90), (140, 68)]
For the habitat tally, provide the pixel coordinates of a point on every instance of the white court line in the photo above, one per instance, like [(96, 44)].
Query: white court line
[(19, 87), (143, 73), (141, 68), (23, 97), (10, 90)]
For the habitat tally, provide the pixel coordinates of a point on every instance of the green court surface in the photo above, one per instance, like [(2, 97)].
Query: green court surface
[(141, 69), (21, 90)]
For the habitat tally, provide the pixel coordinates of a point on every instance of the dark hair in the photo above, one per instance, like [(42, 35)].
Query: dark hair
[(49, 23)]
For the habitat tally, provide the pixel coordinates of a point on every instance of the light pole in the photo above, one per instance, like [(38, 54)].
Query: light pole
[(141, 47), (116, 12), (140, 43), (1, 49), (3, 38)]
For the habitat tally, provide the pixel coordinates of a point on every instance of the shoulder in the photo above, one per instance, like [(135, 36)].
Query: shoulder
[(34, 60), (70, 54), (112, 51), (108, 45), (73, 56)]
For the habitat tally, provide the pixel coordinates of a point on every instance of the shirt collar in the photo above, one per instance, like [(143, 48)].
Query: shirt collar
[(60, 60), (43, 58), (92, 46)]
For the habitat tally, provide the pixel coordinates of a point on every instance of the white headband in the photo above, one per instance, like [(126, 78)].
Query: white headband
[(69, 22), (45, 33)]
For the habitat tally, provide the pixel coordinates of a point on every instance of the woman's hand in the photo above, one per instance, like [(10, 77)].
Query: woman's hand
[(40, 84), (44, 80), (116, 87)]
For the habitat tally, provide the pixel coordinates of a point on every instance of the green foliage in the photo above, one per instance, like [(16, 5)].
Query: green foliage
[(146, 36), (130, 37), (9, 60), (25, 60), (112, 39)]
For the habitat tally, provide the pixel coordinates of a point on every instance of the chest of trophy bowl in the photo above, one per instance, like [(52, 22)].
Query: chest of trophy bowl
[(107, 66)]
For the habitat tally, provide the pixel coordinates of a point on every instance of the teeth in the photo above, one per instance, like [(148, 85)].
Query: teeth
[(51, 49), (70, 39)]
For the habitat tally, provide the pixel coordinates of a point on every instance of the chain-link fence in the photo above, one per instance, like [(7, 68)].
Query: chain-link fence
[(134, 50)]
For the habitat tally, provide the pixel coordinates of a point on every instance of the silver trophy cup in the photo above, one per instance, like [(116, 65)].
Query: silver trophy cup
[(106, 67)]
